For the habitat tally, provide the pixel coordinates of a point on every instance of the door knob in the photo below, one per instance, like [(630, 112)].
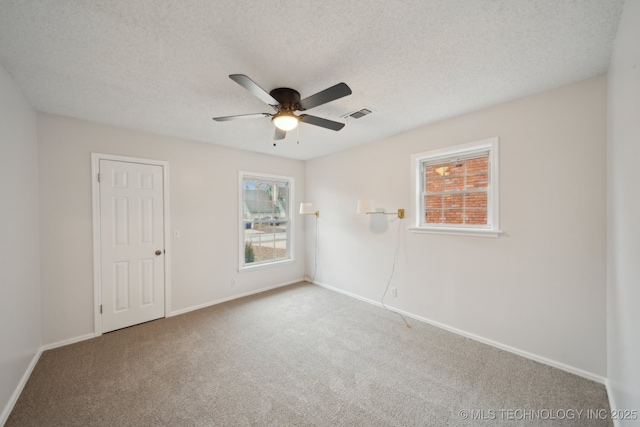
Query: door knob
[(158, 252)]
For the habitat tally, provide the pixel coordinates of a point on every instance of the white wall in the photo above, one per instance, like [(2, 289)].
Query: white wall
[(540, 288), (203, 205), (19, 252), (623, 213)]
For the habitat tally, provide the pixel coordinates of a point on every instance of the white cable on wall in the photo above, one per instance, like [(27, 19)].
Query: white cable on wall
[(315, 262), (393, 269)]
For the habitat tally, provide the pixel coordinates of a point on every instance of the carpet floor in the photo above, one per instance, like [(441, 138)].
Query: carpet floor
[(300, 355)]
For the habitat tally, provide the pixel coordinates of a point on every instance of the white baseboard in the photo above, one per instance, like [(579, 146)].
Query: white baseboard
[(25, 377), (562, 366), (16, 393), (27, 373), (67, 341), (573, 370), (220, 301)]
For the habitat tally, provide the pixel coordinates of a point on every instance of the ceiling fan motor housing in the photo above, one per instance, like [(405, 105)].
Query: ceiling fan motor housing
[(288, 98)]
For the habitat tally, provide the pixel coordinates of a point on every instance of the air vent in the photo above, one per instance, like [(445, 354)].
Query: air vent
[(358, 114)]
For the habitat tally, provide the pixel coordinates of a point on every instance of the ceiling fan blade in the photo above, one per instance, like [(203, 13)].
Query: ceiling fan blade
[(280, 134), (327, 95), (319, 121), (241, 116), (253, 87)]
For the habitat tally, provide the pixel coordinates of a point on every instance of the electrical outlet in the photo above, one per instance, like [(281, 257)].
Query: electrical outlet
[(394, 292), (233, 282)]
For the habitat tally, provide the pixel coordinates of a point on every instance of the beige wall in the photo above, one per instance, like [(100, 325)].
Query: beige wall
[(623, 284), (203, 206), (539, 288), (19, 252)]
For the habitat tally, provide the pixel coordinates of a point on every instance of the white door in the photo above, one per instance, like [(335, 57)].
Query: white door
[(131, 243)]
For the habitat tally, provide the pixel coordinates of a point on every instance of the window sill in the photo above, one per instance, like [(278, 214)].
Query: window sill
[(266, 265), (456, 231)]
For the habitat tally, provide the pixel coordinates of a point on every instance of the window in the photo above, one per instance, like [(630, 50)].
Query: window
[(265, 221), (456, 189)]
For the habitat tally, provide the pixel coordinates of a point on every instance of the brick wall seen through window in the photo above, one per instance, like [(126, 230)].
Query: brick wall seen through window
[(456, 191)]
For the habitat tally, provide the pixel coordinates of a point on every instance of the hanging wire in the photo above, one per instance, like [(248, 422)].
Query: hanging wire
[(317, 250), (393, 269), (315, 262)]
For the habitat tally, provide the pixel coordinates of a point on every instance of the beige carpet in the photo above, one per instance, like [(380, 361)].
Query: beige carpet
[(297, 356)]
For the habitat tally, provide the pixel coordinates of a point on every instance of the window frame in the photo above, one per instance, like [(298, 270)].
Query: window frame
[(492, 228), (289, 258)]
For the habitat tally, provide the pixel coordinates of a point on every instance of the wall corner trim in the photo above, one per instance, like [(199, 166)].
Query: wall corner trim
[(612, 402)]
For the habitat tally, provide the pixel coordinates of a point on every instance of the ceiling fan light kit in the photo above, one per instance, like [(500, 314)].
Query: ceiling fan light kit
[(286, 102), (285, 121)]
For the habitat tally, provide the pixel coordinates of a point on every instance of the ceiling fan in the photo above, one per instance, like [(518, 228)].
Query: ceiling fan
[(286, 102)]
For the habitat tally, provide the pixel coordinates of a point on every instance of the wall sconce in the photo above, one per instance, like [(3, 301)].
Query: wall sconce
[(308, 209), (366, 207)]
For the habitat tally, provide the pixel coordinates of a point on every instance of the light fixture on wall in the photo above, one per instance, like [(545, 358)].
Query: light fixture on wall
[(308, 209), (285, 120), (366, 207)]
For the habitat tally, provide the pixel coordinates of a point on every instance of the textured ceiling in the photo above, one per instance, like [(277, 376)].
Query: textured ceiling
[(162, 65)]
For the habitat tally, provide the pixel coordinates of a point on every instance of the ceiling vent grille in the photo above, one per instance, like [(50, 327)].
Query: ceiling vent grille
[(358, 114)]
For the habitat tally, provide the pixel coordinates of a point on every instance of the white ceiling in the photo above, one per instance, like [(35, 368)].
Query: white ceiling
[(162, 65)]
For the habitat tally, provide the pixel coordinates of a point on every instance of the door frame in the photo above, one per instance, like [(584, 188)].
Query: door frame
[(97, 253)]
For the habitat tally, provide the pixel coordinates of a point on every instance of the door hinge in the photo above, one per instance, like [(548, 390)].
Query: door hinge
[(98, 177), (100, 308)]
